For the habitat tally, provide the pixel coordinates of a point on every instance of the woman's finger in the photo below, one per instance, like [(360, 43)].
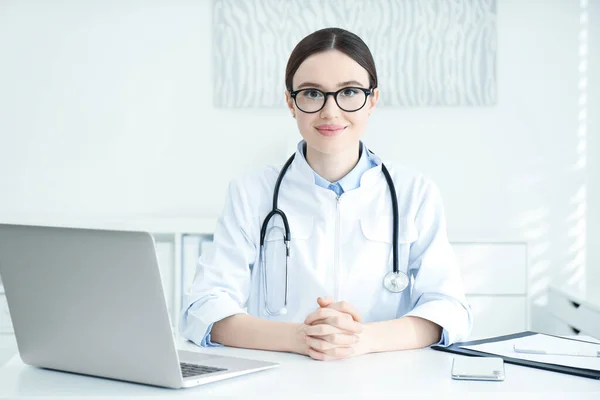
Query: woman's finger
[(344, 322), (341, 339), (326, 314), (341, 323), (322, 330), (345, 307), (332, 335), (320, 314), (337, 353), (319, 344), (342, 306), (317, 355), (324, 301)]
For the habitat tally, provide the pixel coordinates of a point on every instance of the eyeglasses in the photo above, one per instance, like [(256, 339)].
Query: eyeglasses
[(348, 99)]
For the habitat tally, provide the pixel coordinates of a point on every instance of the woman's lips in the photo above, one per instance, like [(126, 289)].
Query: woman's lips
[(330, 130)]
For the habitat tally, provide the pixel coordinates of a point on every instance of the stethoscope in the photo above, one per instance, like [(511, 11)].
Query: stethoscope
[(395, 281)]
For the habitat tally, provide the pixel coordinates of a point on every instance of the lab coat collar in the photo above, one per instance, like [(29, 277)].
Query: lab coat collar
[(300, 172), (373, 175)]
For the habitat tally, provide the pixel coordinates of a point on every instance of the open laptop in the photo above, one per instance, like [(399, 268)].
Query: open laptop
[(91, 302)]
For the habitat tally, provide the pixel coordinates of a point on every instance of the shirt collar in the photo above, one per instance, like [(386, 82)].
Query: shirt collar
[(352, 179)]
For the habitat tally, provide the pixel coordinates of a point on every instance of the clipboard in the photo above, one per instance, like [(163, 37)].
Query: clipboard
[(564, 369)]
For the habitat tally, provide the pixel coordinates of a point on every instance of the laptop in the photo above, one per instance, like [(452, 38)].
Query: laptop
[(91, 302)]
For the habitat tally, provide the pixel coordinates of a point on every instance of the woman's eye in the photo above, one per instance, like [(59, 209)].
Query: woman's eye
[(312, 94), (349, 92)]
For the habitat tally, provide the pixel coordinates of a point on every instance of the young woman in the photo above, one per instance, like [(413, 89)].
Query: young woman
[(333, 254)]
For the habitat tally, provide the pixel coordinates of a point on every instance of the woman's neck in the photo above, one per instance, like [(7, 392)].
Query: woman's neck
[(333, 167)]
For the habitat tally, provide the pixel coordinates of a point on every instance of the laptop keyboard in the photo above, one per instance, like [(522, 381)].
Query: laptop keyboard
[(194, 369)]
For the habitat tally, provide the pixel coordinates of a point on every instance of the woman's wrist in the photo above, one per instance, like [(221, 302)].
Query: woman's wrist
[(368, 339), (404, 333), (296, 339)]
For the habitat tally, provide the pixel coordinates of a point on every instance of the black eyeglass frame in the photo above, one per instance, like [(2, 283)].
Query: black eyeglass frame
[(367, 93)]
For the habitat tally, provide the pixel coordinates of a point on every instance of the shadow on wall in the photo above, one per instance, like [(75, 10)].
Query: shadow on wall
[(567, 240)]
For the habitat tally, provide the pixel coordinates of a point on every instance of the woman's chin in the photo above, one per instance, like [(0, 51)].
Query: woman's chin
[(329, 146)]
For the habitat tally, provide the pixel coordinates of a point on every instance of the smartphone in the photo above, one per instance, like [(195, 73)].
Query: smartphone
[(478, 368)]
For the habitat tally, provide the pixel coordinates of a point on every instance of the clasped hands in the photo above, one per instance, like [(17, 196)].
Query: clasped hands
[(334, 331)]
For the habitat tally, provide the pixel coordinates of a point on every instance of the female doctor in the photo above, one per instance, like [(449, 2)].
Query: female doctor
[(334, 254)]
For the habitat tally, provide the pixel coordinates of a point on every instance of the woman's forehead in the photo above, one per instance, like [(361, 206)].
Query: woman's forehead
[(329, 70)]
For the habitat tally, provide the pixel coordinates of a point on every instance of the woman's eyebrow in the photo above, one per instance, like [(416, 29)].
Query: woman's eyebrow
[(350, 83), (309, 84), (340, 85)]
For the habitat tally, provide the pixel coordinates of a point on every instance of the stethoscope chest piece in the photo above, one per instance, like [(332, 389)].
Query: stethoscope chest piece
[(395, 282)]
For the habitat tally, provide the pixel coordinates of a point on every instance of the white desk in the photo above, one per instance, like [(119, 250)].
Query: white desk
[(410, 374)]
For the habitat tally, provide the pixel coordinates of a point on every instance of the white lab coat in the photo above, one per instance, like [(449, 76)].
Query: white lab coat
[(339, 248)]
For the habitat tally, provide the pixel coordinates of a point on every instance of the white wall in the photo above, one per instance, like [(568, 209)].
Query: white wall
[(106, 109)]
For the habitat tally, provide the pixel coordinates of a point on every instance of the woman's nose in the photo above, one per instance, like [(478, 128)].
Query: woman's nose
[(330, 110)]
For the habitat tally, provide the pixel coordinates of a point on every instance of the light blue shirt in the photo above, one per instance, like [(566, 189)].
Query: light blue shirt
[(349, 182), (352, 180)]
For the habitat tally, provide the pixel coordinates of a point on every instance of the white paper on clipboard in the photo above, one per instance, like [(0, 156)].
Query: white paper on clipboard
[(505, 348)]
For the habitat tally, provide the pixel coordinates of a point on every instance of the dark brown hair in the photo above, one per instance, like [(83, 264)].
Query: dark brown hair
[(330, 39)]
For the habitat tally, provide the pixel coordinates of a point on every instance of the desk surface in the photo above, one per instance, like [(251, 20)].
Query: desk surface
[(423, 373)]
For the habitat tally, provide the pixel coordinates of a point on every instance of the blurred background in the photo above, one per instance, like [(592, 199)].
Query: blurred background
[(137, 114)]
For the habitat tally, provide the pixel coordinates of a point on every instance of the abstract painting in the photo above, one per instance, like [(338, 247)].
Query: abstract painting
[(434, 53)]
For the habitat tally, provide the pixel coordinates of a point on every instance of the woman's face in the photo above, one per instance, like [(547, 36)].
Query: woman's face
[(331, 130)]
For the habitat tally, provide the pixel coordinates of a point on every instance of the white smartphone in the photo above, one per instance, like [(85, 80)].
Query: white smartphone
[(478, 368)]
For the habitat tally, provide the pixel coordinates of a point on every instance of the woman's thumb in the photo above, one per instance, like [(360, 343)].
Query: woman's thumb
[(324, 301)]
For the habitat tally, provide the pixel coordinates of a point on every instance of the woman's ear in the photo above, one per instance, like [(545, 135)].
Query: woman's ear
[(373, 99), (290, 103)]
